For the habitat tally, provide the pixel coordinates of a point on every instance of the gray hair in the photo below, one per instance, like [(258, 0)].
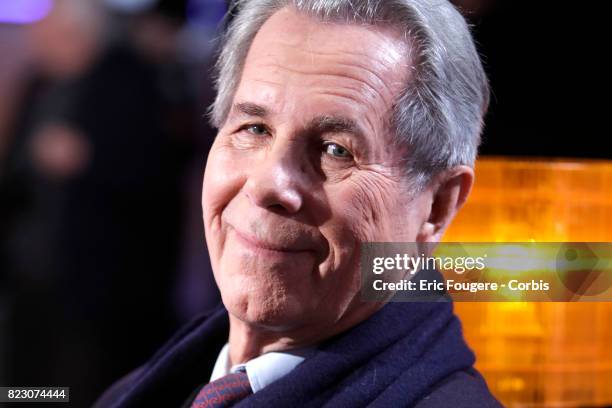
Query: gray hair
[(438, 116)]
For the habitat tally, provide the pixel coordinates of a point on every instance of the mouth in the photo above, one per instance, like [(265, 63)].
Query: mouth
[(259, 245)]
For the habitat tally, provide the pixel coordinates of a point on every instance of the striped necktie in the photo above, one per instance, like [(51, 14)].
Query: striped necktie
[(224, 391)]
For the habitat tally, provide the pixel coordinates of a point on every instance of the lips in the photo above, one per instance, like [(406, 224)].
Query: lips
[(251, 240)]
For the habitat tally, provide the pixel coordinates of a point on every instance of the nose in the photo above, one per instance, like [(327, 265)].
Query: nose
[(278, 182)]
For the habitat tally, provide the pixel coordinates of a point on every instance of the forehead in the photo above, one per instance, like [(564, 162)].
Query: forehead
[(298, 64)]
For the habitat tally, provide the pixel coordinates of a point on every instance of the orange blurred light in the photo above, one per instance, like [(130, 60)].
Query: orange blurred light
[(540, 354)]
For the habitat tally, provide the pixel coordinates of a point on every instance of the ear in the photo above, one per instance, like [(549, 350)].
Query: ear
[(450, 190)]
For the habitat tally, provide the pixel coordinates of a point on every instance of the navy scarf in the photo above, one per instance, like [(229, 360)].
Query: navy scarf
[(394, 358)]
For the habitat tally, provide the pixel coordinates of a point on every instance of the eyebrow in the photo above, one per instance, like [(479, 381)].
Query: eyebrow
[(336, 124), (319, 124), (251, 109)]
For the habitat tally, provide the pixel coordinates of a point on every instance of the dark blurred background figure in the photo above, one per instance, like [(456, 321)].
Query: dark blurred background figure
[(97, 165), (90, 173), (178, 38)]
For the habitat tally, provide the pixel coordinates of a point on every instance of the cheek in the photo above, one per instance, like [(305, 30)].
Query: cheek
[(363, 210), (351, 223), (366, 210), (223, 179)]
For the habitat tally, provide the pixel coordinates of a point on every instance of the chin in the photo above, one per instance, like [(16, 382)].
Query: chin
[(267, 309)]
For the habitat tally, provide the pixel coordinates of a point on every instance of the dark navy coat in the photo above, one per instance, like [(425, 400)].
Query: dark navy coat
[(408, 354)]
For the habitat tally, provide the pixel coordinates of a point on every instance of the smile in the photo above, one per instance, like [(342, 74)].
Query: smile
[(257, 245)]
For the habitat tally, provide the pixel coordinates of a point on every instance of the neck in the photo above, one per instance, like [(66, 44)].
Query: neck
[(247, 341)]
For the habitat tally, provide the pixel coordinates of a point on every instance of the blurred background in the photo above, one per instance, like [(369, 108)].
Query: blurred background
[(103, 141)]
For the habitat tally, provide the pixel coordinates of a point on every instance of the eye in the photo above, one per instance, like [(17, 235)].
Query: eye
[(336, 150), (256, 129)]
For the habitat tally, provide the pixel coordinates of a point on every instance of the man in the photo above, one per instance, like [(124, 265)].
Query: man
[(340, 122)]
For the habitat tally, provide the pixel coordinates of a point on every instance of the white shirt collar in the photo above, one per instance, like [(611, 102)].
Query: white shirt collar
[(262, 370)]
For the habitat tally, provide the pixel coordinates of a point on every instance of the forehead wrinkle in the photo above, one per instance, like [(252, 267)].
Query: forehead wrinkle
[(352, 101), (384, 59), (348, 82), (355, 63), (340, 51), (371, 74)]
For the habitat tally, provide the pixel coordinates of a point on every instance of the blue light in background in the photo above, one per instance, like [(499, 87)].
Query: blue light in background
[(24, 11), (206, 13), (131, 6)]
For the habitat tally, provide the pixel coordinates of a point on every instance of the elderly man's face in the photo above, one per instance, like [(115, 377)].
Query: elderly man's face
[(304, 170)]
